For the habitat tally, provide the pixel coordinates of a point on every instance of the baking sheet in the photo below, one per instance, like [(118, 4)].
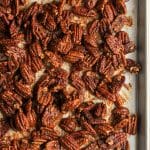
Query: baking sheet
[(131, 95)]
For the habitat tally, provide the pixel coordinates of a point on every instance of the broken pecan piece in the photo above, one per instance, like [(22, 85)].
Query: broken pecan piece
[(132, 66)]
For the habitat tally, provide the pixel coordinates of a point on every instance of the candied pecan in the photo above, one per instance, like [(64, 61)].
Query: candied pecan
[(123, 37), (12, 99), (77, 32), (35, 50), (21, 121), (119, 61), (83, 11), (104, 66), (5, 3), (93, 50), (132, 66), (90, 3), (87, 63), (120, 6), (116, 84), (65, 26), (75, 2), (16, 53), (100, 110), (109, 12), (119, 100), (52, 145), (4, 127), (114, 44), (44, 134), (64, 45), (38, 30), (116, 139), (75, 55), (82, 137), (49, 22), (122, 124), (44, 97), (69, 142), (86, 126), (13, 29), (120, 113), (15, 7), (74, 102), (23, 90), (119, 22), (104, 26), (23, 2), (129, 47), (7, 111), (91, 80), (36, 64), (101, 5), (30, 113), (54, 59), (93, 145), (68, 124), (104, 129), (93, 27), (76, 80), (103, 91), (132, 125), (51, 116), (125, 146), (27, 73), (91, 40)]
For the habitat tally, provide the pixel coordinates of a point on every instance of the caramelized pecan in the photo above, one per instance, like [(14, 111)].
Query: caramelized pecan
[(4, 127), (132, 125), (54, 59), (91, 80), (21, 121), (83, 11), (52, 145), (68, 124), (90, 3), (64, 45), (132, 66), (114, 44), (116, 139), (51, 116), (69, 143), (77, 32), (23, 90)]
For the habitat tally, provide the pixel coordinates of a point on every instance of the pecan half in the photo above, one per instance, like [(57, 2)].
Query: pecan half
[(68, 124), (52, 145), (69, 143), (21, 121)]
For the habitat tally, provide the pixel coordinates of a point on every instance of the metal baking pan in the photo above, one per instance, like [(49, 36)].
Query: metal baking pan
[(142, 81)]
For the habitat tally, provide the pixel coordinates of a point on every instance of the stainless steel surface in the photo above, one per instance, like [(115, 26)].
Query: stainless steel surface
[(142, 87)]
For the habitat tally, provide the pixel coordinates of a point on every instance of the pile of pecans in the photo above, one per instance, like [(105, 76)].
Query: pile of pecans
[(51, 112)]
